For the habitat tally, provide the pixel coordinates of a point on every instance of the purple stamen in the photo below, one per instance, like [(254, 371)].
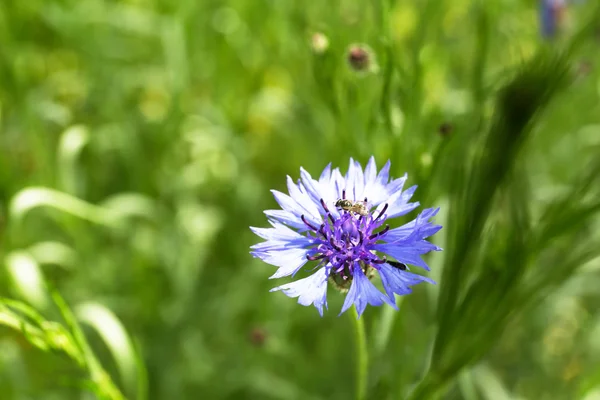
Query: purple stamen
[(307, 223), (361, 237), (315, 258), (322, 231), (339, 266), (385, 207), (344, 194), (324, 206), (383, 232), (330, 217), (335, 246)]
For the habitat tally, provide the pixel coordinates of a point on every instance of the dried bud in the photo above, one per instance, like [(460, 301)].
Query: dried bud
[(583, 69), (319, 43), (445, 129), (361, 58), (258, 336)]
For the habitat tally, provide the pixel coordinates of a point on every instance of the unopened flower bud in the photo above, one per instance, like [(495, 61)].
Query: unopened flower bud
[(258, 336), (583, 69), (445, 129), (319, 43), (361, 58)]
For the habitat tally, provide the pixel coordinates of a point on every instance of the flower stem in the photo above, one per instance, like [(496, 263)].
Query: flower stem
[(430, 388), (362, 355), (384, 326)]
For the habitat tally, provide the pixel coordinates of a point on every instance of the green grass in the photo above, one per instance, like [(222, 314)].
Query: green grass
[(139, 140)]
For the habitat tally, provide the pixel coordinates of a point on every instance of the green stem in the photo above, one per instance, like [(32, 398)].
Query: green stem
[(362, 356), (383, 328), (429, 388)]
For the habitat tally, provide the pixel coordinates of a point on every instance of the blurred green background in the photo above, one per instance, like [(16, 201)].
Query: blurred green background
[(139, 140)]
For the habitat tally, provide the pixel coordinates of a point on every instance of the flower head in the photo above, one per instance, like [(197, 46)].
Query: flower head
[(340, 224), (361, 58), (319, 43), (552, 16)]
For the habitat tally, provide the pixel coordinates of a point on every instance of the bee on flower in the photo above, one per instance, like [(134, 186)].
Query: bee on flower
[(340, 224)]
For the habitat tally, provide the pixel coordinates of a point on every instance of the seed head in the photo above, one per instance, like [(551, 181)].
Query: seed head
[(361, 58)]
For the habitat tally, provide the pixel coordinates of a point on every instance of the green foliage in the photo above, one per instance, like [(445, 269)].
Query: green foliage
[(139, 142), (56, 337)]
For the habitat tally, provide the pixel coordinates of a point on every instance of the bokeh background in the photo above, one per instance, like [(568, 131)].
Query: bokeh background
[(140, 138)]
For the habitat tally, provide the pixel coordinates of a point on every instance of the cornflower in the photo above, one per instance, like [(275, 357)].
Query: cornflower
[(340, 223)]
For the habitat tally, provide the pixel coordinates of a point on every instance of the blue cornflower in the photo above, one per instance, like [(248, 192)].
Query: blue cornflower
[(340, 223), (552, 15)]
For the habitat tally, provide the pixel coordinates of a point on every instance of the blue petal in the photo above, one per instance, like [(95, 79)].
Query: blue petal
[(350, 178), (419, 228), (289, 204), (371, 173), (287, 218), (355, 181), (313, 188), (384, 175), (279, 232), (318, 191), (375, 189), (277, 245), (338, 183), (398, 204), (359, 182), (399, 282), (407, 254), (303, 199), (363, 292), (309, 290), (402, 210), (289, 261), (325, 175), (396, 185)]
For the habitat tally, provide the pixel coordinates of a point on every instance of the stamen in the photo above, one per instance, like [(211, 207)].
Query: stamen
[(315, 258), (307, 223), (322, 230), (324, 206), (344, 194), (383, 232), (335, 246), (361, 236), (344, 270), (331, 217), (385, 207)]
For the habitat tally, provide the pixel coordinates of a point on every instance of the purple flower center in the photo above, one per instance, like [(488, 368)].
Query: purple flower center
[(341, 242)]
